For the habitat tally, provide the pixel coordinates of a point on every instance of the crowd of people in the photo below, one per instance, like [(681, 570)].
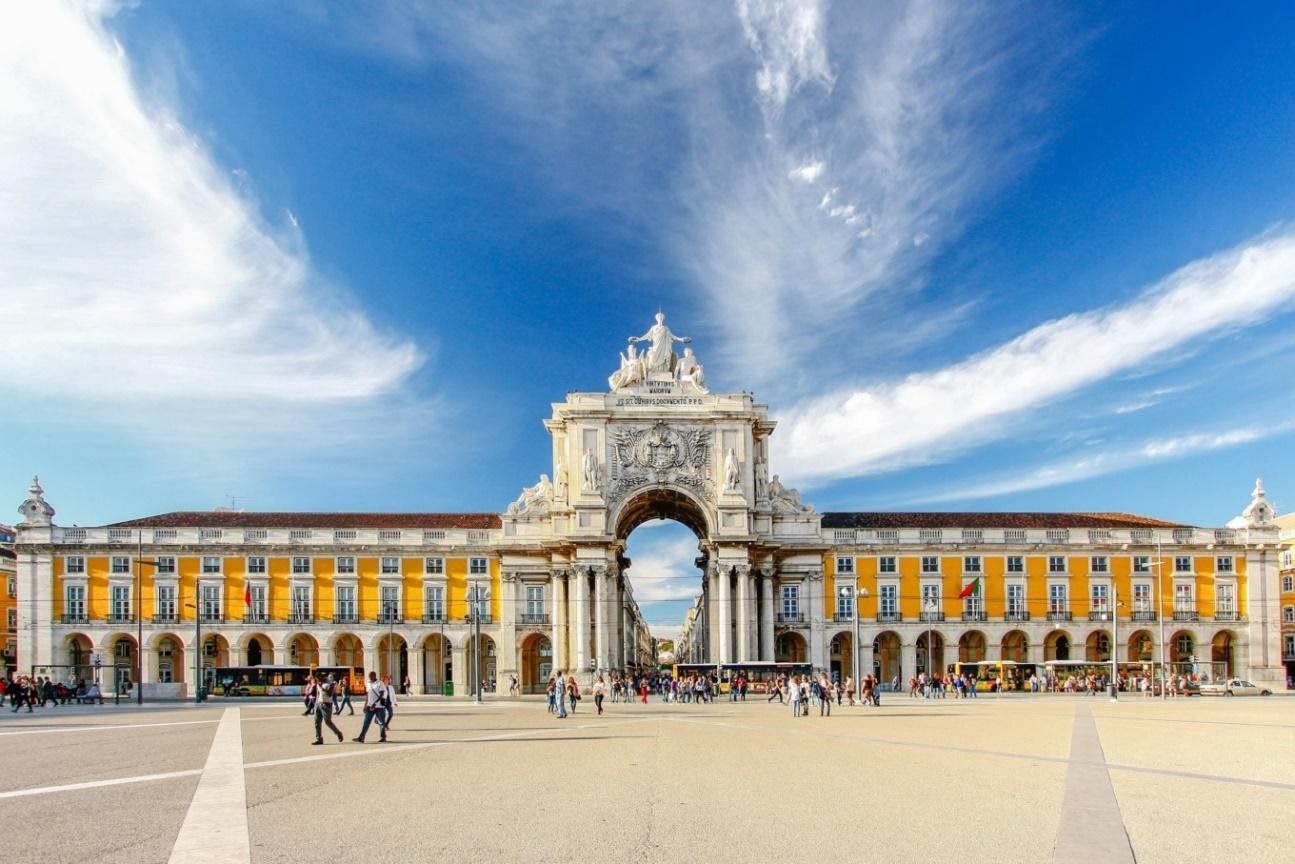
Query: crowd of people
[(26, 691), (325, 697)]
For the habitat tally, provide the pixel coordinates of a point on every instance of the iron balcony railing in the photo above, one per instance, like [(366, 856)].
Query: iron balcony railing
[(434, 618), (75, 618), (1057, 615), (1227, 615), (1144, 615), (166, 618), (213, 618), (117, 618), (534, 618), (930, 616), (843, 618), (1099, 615), (890, 617), (974, 616), (790, 618), (345, 618), (1017, 616), (254, 618), (1186, 615)]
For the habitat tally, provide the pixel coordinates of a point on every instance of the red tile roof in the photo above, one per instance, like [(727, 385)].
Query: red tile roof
[(235, 519), (994, 520)]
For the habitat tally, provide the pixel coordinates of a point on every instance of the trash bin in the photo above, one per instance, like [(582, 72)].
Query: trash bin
[(448, 690)]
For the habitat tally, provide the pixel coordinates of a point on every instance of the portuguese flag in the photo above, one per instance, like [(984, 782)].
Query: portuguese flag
[(972, 589)]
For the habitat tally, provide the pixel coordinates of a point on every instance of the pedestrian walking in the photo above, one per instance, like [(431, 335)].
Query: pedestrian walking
[(324, 709), (342, 697), (599, 689), (375, 697), (560, 691)]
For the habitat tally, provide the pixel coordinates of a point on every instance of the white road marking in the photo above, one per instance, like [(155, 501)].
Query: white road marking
[(215, 828), (95, 784), (108, 726)]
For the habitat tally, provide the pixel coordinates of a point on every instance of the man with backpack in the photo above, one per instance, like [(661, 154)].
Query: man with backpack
[(375, 708), (324, 707)]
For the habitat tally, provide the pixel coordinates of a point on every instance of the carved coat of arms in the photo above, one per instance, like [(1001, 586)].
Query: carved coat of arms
[(659, 453)]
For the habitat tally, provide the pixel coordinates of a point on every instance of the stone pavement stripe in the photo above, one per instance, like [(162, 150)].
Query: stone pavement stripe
[(1091, 828), (106, 726), (380, 750), (215, 828), (95, 784)]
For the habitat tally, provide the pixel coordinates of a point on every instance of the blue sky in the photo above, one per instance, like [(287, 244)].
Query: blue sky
[(317, 256)]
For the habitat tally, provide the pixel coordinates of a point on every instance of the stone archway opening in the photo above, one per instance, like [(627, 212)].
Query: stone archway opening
[(537, 663), (662, 564)]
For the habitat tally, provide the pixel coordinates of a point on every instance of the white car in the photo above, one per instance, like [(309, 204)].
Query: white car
[(1233, 687)]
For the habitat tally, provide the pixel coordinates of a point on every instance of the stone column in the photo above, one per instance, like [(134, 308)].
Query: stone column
[(558, 604), (907, 663), (865, 658), (711, 641), (817, 649), (744, 652), (459, 660), (579, 658), (766, 617), (506, 656), (601, 625), (725, 599), (415, 669)]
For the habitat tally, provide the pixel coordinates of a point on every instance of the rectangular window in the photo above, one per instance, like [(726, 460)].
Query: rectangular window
[(74, 564), (1184, 598), (844, 565), (166, 602), (1225, 599), (301, 605), (1223, 564), (1288, 584), (790, 601), (930, 599), (390, 602), (434, 599), (13, 619), (1288, 614), (1288, 650), (1142, 598), (479, 598), (256, 611), (973, 605), (346, 566), (1100, 597), (345, 601), (165, 565), (971, 564), (1015, 598), (478, 567), (1183, 564), (120, 564), (1058, 599), (434, 566), (120, 602), (886, 564), (1057, 564), (1141, 564), (390, 566), (535, 601), (1100, 564), (301, 566), (211, 602), (1015, 564), (845, 605), (930, 564), (889, 599), (256, 564), (74, 600), (211, 565)]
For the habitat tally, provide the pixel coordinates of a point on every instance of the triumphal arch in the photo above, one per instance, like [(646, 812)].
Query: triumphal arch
[(658, 444)]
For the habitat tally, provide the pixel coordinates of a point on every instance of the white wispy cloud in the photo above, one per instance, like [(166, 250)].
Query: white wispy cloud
[(136, 270), (662, 565), (1091, 465), (789, 38), (929, 416)]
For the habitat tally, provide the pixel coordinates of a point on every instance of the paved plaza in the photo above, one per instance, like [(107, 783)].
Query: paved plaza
[(1031, 779)]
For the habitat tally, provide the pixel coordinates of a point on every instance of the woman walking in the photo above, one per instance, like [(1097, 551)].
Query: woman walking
[(599, 689)]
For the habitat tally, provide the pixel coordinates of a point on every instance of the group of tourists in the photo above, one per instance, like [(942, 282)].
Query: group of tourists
[(325, 696), (30, 692), (925, 686)]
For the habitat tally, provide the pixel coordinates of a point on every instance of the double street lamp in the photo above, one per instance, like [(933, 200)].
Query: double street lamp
[(855, 595)]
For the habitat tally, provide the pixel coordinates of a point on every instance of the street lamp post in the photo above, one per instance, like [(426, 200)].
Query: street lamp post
[(858, 595), (197, 649), (139, 616), (1115, 642), (476, 637)]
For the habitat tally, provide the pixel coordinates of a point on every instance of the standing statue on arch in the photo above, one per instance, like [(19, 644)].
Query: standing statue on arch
[(660, 357)]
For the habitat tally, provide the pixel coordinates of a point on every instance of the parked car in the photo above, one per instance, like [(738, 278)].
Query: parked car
[(1233, 687)]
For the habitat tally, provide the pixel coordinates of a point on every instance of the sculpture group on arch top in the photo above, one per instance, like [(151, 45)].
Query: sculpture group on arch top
[(665, 449)]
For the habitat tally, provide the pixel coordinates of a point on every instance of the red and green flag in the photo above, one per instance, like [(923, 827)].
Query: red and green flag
[(972, 589)]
